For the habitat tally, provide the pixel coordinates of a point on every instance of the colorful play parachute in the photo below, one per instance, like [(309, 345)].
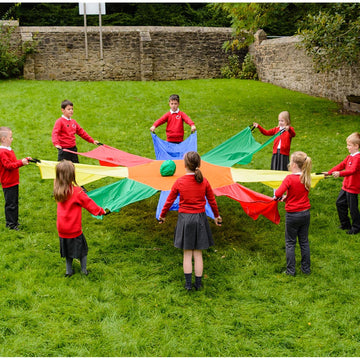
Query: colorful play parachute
[(141, 176), (237, 150)]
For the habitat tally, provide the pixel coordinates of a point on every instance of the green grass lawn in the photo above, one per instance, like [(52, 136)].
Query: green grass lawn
[(133, 302)]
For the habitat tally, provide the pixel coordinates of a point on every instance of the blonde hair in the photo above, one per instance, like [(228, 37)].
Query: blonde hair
[(192, 162), (4, 130), (64, 181), (286, 116), (304, 163), (354, 138)]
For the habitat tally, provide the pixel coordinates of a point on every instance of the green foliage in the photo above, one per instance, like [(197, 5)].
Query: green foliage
[(247, 18), (12, 54), (121, 14), (331, 37), (330, 30), (247, 69), (133, 302)]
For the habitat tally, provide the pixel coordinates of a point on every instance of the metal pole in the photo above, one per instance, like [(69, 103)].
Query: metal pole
[(85, 30), (101, 42)]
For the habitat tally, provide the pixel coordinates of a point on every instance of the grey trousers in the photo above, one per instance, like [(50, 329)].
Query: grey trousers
[(297, 226)]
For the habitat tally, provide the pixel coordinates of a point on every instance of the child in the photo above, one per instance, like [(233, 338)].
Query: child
[(70, 199), (192, 231), (63, 134), (174, 119), (281, 148), (348, 197), (9, 177), (297, 206)]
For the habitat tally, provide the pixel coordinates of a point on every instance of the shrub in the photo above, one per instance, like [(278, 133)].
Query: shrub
[(235, 70), (13, 53)]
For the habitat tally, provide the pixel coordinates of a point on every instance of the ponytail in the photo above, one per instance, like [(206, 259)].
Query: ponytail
[(304, 163), (192, 162), (198, 176), (305, 177)]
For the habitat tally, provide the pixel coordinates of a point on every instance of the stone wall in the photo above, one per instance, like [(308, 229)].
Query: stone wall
[(129, 53), (281, 62)]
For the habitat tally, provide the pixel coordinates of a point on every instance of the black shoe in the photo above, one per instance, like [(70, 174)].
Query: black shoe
[(86, 272), (197, 287), (14, 228), (288, 273), (344, 227), (306, 272), (69, 275), (188, 287), (352, 232)]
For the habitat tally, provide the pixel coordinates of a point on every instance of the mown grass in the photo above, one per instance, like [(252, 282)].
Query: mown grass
[(133, 302)]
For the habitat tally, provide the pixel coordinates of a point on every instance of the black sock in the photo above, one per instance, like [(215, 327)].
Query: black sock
[(198, 282), (188, 280), (69, 269)]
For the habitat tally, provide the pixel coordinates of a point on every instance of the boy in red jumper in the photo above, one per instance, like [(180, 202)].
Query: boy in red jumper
[(348, 197), (175, 121), (9, 177), (63, 134)]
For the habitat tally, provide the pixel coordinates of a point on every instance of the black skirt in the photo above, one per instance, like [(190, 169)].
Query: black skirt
[(74, 248), (193, 232), (279, 162)]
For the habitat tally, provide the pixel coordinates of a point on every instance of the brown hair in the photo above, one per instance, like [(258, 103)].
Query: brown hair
[(192, 162), (65, 103), (174, 97), (304, 163), (64, 181)]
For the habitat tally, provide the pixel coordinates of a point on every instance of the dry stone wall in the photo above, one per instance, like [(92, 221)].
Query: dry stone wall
[(281, 62), (129, 53)]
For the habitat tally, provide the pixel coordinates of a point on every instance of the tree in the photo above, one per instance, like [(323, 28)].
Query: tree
[(332, 37), (275, 18), (121, 14), (330, 31)]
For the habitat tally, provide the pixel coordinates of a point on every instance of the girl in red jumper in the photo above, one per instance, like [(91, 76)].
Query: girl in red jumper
[(297, 206), (192, 232), (281, 148), (70, 200)]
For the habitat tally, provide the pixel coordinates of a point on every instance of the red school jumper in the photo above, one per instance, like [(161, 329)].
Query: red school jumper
[(192, 196), (9, 168), (64, 131), (349, 169), (175, 126), (69, 213), (297, 196), (285, 138)]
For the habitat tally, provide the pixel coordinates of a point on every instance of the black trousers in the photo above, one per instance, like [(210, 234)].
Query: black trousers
[(68, 156), (11, 196), (345, 202), (297, 226)]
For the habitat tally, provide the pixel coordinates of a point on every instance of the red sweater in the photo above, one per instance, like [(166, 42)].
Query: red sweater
[(285, 138), (175, 125), (350, 170), (64, 131), (9, 168), (192, 196), (297, 196), (69, 213)]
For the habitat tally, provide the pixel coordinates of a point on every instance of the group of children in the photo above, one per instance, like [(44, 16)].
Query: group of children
[(192, 233)]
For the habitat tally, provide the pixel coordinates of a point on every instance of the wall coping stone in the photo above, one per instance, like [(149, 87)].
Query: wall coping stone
[(80, 29)]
